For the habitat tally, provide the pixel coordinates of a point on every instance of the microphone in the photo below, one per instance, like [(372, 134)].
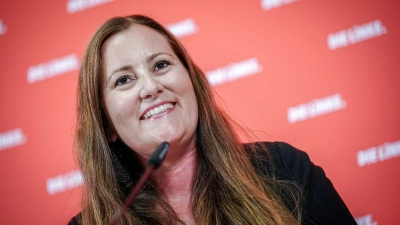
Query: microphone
[(153, 163)]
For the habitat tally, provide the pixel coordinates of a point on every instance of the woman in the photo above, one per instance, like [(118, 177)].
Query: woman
[(137, 88)]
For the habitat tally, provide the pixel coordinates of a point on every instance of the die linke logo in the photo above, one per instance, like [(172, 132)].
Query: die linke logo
[(74, 6), (183, 28), (12, 138), (365, 220), (52, 68), (316, 107), (270, 4), (64, 182), (375, 154), (356, 34), (3, 28), (234, 71)]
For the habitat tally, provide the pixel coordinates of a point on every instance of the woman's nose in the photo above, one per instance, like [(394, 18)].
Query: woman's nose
[(151, 88)]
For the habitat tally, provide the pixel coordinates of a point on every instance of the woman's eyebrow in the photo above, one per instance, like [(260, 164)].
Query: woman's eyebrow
[(122, 68), (152, 56)]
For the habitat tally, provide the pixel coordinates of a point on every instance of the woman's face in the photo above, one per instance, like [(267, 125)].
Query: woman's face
[(147, 92)]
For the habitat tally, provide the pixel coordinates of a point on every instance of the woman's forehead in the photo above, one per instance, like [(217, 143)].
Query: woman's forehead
[(138, 37)]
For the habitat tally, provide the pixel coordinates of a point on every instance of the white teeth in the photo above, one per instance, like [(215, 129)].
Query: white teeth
[(158, 110)]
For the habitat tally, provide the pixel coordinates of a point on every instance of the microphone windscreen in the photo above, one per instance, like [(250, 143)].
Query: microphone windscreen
[(158, 155)]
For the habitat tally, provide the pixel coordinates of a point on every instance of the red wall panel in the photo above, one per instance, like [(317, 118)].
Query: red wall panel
[(321, 75)]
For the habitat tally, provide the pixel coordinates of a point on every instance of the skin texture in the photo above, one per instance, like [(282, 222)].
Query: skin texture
[(140, 72)]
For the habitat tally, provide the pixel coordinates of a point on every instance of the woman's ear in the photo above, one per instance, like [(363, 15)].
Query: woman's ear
[(110, 135)]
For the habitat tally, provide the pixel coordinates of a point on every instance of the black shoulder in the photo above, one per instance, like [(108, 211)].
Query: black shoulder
[(282, 160), (75, 220), (321, 202), (290, 162)]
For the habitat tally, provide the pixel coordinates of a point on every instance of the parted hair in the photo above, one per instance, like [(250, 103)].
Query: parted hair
[(227, 189)]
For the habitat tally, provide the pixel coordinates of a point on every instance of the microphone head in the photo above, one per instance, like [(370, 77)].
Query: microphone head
[(158, 155)]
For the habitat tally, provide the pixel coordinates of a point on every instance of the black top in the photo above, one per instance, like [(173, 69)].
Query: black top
[(321, 203)]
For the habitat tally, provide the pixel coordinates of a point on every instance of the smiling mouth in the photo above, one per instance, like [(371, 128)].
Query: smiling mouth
[(158, 110)]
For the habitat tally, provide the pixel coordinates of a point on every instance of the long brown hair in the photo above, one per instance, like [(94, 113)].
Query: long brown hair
[(227, 189)]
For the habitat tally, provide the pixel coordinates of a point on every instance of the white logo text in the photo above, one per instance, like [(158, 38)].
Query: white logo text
[(64, 182), (12, 138), (234, 71), (74, 6), (3, 28), (270, 4), (183, 28), (52, 68), (365, 220), (356, 34), (315, 108), (379, 153)]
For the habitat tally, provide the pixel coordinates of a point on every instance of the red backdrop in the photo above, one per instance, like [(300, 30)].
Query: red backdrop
[(321, 75)]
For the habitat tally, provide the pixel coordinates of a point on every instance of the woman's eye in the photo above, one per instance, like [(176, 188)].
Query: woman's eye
[(161, 65), (122, 81)]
